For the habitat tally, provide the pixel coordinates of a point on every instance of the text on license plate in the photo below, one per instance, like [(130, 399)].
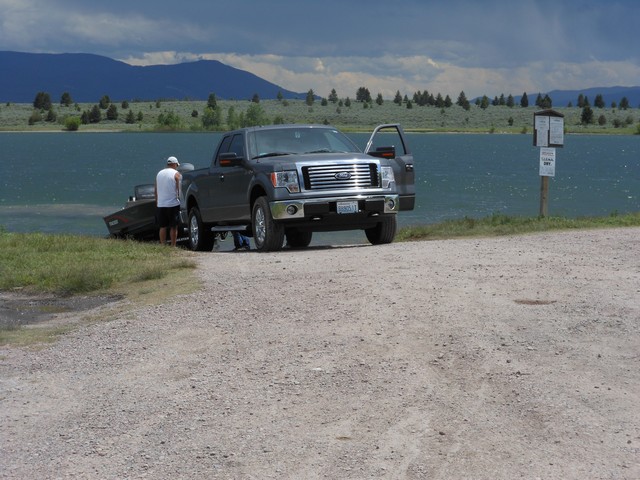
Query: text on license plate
[(347, 207)]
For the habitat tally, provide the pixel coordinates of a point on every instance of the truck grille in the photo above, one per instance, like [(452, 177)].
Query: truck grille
[(330, 177)]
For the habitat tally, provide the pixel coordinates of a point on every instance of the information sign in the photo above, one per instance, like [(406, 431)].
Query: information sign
[(548, 129), (547, 162)]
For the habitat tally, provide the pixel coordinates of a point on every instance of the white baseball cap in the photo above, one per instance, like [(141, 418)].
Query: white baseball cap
[(172, 160)]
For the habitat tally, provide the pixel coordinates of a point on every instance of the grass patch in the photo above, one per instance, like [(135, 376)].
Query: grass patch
[(67, 265), (29, 337), (70, 265), (499, 224)]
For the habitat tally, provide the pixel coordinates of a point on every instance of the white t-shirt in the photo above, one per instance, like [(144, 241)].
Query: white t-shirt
[(166, 187)]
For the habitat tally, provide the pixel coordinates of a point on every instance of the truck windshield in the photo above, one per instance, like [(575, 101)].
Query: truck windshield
[(273, 142)]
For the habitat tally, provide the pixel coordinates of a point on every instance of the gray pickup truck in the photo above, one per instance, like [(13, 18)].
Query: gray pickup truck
[(281, 183)]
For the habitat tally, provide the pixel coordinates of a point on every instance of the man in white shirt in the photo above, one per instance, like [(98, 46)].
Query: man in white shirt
[(168, 200)]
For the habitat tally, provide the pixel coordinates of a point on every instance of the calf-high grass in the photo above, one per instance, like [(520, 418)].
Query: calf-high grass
[(68, 264)]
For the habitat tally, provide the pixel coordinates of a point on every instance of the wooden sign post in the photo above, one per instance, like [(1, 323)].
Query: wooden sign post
[(548, 133)]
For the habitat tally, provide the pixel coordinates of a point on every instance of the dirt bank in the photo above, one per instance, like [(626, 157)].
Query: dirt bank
[(498, 358)]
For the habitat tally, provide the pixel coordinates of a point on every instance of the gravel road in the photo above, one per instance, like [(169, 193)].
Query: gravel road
[(501, 358)]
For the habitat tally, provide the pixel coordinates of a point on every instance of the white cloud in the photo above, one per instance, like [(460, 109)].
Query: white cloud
[(388, 74)]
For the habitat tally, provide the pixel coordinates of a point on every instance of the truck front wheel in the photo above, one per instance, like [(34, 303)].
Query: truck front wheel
[(296, 239), (383, 232), (200, 238), (268, 235)]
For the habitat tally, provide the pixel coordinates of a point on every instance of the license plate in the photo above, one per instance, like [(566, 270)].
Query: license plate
[(347, 207)]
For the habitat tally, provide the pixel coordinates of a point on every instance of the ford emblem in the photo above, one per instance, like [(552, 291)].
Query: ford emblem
[(343, 176)]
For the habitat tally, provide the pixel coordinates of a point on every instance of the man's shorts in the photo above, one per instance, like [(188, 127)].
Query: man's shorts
[(168, 216)]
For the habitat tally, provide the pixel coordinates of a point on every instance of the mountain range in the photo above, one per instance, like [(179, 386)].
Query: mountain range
[(88, 77)]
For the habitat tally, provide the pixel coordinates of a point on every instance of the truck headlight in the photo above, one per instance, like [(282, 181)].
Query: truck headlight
[(287, 179), (387, 177)]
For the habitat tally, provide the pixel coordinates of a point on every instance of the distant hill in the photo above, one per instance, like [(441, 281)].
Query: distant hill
[(88, 77), (561, 98)]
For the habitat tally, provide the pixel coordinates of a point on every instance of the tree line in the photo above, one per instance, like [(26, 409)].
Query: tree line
[(214, 118)]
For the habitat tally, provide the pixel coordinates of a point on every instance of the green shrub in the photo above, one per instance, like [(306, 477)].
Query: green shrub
[(72, 123)]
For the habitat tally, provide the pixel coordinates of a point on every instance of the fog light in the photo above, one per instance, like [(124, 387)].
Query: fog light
[(292, 209), (391, 204)]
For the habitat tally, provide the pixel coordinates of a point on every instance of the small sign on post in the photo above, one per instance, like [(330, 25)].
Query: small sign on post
[(547, 162), (548, 133)]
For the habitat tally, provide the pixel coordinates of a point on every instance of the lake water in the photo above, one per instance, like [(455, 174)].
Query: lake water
[(66, 182)]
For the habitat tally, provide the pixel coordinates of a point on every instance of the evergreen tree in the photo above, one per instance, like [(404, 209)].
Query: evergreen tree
[(379, 99), (131, 118), (112, 112), (524, 101), (105, 101), (510, 101), (398, 98), (212, 102), (363, 95), (462, 99), (598, 102), (255, 98), (539, 100), (232, 119), (65, 99), (310, 98), (587, 115), (124, 105), (580, 102), (333, 96), (51, 115), (624, 103), (95, 115), (484, 103), (42, 101), (255, 116)]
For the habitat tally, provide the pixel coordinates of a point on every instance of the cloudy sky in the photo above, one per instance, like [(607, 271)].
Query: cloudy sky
[(476, 46)]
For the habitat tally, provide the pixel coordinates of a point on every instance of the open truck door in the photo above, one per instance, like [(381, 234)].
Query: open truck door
[(389, 141)]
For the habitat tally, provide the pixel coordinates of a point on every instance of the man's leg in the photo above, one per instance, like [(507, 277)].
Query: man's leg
[(174, 235), (163, 235)]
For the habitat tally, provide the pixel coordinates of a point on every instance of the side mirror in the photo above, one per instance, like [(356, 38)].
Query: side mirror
[(384, 152), (230, 159)]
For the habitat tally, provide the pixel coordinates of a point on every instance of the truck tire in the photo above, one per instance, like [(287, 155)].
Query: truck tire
[(383, 232), (267, 234), (200, 238), (297, 239)]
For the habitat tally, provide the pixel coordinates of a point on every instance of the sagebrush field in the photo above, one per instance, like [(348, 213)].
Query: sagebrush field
[(188, 115)]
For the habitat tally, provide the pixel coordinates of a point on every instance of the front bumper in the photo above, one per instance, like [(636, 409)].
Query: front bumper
[(318, 208)]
